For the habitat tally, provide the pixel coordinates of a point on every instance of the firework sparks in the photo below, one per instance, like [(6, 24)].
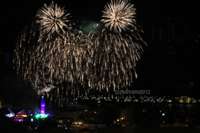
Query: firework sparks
[(65, 66), (57, 67), (117, 48), (119, 15), (61, 61), (53, 19), (25, 43), (47, 60)]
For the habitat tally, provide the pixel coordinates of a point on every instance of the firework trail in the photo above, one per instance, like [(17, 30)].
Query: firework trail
[(63, 59), (117, 48), (67, 68), (25, 43)]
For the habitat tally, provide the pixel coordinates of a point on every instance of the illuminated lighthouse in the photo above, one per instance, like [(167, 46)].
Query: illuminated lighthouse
[(42, 114), (42, 106)]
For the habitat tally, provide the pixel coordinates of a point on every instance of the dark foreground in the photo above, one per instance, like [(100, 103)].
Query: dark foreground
[(111, 130), (111, 118)]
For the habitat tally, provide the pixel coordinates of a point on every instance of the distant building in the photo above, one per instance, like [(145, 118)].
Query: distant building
[(1, 104)]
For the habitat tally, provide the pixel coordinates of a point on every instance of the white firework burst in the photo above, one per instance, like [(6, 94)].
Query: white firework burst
[(53, 19), (119, 15), (117, 47)]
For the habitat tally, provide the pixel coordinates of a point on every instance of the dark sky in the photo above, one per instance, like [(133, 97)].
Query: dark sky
[(171, 29)]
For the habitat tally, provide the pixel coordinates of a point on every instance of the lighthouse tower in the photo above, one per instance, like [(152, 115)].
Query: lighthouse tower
[(42, 105), (42, 114)]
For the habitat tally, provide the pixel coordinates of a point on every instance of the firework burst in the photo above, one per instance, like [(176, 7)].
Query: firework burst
[(60, 61), (119, 15), (53, 19), (47, 59), (117, 48)]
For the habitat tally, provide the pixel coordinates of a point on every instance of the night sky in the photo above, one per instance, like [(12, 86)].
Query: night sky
[(170, 62)]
